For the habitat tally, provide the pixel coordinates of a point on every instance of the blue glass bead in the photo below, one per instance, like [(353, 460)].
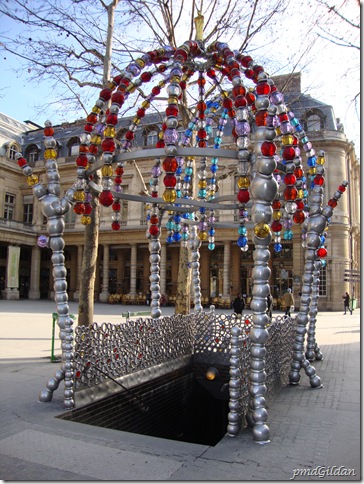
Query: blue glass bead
[(242, 241), (242, 230), (202, 209), (305, 193), (169, 225), (191, 126), (288, 235), (218, 140), (187, 179), (211, 246), (185, 235), (294, 122), (214, 161), (177, 218), (211, 231), (202, 193), (177, 227), (188, 133), (177, 236), (214, 168), (323, 238), (178, 193), (179, 170), (311, 161), (188, 171), (169, 239), (304, 140), (277, 247), (299, 128)]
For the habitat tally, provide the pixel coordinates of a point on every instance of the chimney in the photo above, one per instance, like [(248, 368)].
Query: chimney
[(288, 83)]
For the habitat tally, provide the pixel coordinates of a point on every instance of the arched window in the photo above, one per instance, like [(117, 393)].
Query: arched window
[(13, 150), (314, 121), (73, 146), (32, 154), (151, 136)]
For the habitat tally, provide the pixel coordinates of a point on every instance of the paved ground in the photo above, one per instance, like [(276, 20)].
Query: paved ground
[(313, 431)]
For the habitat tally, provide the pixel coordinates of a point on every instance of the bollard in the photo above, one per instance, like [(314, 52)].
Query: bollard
[(54, 319)]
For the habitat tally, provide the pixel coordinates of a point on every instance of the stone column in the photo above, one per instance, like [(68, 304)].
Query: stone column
[(133, 268), (34, 292), (163, 268), (104, 295), (12, 273), (226, 270), (76, 295)]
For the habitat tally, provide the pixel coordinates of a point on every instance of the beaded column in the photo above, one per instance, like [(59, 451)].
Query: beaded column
[(195, 244), (263, 190), (234, 416), (312, 349), (54, 208)]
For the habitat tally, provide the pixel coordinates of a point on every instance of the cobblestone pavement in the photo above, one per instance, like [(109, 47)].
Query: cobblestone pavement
[(313, 431)]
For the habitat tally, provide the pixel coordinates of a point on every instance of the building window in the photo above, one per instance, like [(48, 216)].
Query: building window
[(314, 121), (13, 149), (152, 138), (32, 154), (9, 206), (73, 146), (28, 213), (323, 282)]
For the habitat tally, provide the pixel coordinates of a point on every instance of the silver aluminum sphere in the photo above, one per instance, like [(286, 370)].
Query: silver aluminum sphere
[(154, 258), (62, 309), (235, 384), (310, 355), (58, 258), (52, 384), (172, 122), (114, 109), (259, 335), (155, 287), (45, 395), (108, 158), (260, 414), (196, 281), (233, 360), (69, 403), (319, 356), (232, 430), (100, 103), (59, 272), (307, 280), (236, 331), (234, 394), (55, 226), (261, 212), (59, 375), (315, 382), (260, 135), (261, 273), (262, 76), (61, 297), (296, 365), (257, 364), (233, 417), (272, 109), (171, 150), (263, 188), (195, 265), (236, 81), (258, 401), (234, 372), (39, 191), (68, 375), (156, 313), (198, 307), (256, 389), (154, 278), (327, 212), (51, 166), (27, 170), (50, 143), (258, 351), (261, 102), (266, 166), (68, 393), (294, 377), (243, 155), (174, 89), (234, 405), (261, 255), (281, 109), (154, 268), (269, 134), (154, 245)]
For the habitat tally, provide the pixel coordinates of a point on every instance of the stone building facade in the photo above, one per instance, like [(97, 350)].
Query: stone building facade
[(123, 262)]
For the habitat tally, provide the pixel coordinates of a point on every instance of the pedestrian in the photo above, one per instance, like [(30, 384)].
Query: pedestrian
[(346, 298), (238, 304), (288, 301), (269, 305)]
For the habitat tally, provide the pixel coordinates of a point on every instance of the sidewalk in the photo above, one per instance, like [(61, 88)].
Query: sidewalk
[(311, 429)]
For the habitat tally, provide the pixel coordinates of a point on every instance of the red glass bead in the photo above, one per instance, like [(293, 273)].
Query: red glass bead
[(289, 179), (88, 208), (240, 101), (22, 162), (146, 76), (88, 128), (154, 219), (300, 205), (260, 118), (227, 103), (118, 98), (322, 252), (162, 68), (268, 148), (262, 88), (246, 60), (112, 119), (298, 172), (201, 133), (181, 53), (170, 164), (105, 94), (155, 194), (231, 113), (235, 73), (106, 199), (124, 82), (129, 135), (290, 193), (211, 73), (154, 230), (250, 98), (299, 217), (160, 144), (156, 90), (201, 81), (289, 153), (119, 170), (115, 225), (258, 69), (93, 149), (239, 91), (319, 180), (118, 180), (202, 143), (183, 85), (201, 106), (79, 208), (170, 181), (249, 73), (295, 141), (276, 226), (48, 131), (233, 132), (108, 145), (117, 79), (341, 188), (92, 118), (283, 117), (83, 149), (116, 206), (172, 111), (243, 196), (276, 205), (81, 160), (332, 202)]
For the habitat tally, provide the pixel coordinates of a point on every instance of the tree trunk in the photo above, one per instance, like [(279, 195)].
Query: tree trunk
[(183, 297)]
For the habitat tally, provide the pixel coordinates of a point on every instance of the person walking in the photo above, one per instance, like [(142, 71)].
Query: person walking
[(238, 304), (288, 301), (346, 298)]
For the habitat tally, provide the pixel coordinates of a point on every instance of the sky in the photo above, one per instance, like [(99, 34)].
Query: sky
[(328, 78)]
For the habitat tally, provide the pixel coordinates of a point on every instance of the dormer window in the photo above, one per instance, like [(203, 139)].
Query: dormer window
[(13, 149), (314, 121), (73, 146), (32, 154)]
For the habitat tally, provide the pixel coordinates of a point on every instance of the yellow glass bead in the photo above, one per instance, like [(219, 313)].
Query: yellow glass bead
[(140, 62), (312, 170), (111, 85), (85, 220), (300, 194), (225, 94), (169, 196), (175, 79), (202, 184), (262, 230), (131, 88), (161, 83), (160, 134), (109, 132), (107, 170), (96, 109), (50, 154), (96, 139), (287, 139), (320, 160), (278, 131), (211, 194), (32, 180), (202, 235), (243, 182), (173, 100), (79, 195), (136, 121), (276, 215), (145, 104)]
